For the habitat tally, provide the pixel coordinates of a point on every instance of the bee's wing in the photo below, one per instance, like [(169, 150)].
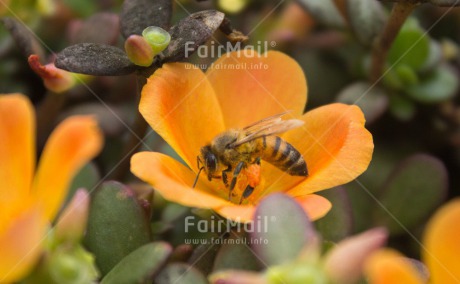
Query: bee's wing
[(256, 126), (276, 126)]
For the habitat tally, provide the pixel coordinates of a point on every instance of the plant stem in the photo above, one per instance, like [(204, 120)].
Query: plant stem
[(382, 45), (138, 131), (47, 113)]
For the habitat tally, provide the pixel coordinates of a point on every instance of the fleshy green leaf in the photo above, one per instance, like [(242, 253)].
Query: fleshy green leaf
[(324, 12), (87, 178), (282, 229), (95, 59), (338, 222), (83, 8), (412, 191), (440, 85), (136, 15), (140, 266), (117, 225), (180, 273), (203, 257), (411, 47), (367, 18), (235, 253)]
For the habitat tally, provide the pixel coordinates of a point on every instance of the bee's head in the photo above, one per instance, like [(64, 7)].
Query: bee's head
[(209, 161)]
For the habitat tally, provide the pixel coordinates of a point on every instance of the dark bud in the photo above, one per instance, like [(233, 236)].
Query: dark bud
[(95, 59), (136, 15)]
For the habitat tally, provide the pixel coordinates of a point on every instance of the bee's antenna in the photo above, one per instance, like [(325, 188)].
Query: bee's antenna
[(197, 176)]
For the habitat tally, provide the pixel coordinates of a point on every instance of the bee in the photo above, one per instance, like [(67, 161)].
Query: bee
[(243, 149)]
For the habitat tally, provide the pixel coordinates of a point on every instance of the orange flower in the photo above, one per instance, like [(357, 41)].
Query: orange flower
[(28, 200), (188, 108), (441, 248)]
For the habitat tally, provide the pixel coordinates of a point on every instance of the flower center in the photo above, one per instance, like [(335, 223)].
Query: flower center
[(248, 187)]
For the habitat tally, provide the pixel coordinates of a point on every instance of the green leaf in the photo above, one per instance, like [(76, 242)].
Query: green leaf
[(338, 222), (367, 18), (411, 192), (140, 266), (282, 229), (324, 11), (235, 253), (83, 8), (411, 47), (407, 75), (372, 100), (363, 191), (180, 273), (117, 225), (88, 177), (203, 257), (434, 58), (440, 85)]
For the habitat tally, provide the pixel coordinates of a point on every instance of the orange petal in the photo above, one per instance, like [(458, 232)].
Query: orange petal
[(71, 145), (17, 147), (315, 207), (179, 104), (388, 266), (442, 244), (173, 180), (251, 87), (239, 213), (20, 245), (335, 145)]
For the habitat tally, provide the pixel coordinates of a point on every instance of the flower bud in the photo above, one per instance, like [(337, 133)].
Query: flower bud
[(157, 38), (72, 222), (55, 79), (46, 7), (344, 263), (296, 273), (139, 50), (233, 6), (75, 266)]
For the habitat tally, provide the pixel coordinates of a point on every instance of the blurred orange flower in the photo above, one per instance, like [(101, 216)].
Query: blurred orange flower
[(441, 249), (30, 199), (188, 108)]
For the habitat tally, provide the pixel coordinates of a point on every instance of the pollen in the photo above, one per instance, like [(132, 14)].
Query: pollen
[(249, 176)]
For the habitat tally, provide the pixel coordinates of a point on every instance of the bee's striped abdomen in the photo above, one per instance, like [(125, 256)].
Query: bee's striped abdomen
[(283, 155)]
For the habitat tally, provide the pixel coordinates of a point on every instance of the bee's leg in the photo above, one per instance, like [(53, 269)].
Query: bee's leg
[(224, 175), (257, 161), (247, 192), (237, 171)]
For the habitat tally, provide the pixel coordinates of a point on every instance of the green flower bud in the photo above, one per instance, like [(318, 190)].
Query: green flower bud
[(157, 38), (297, 273), (233, 6), (75, 266)]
